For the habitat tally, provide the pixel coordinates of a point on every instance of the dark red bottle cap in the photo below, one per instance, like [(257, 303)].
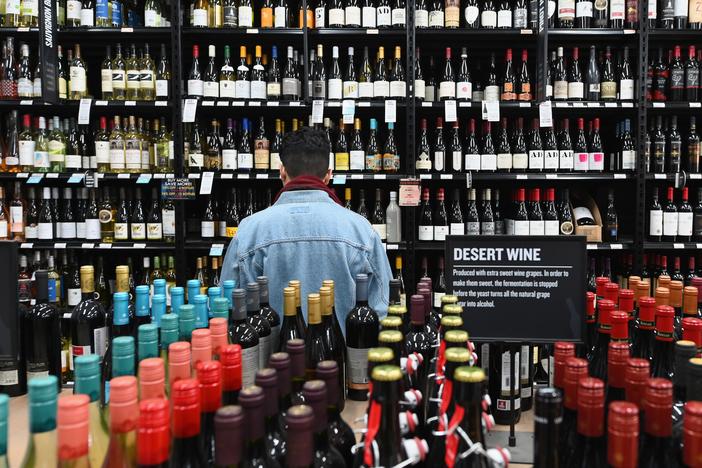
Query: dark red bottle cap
[(620, 325), (426, 294), (561, 352), (665, 315), (657, 405), (229, 435), (635, 377), (611, 292), (618, 353), (252, 400), (230, 358), (300, 420), (153, 432), (315, 393), (623, 435), (692, 330), (185, 397), (267, 379), (606, 307), (575, 370), (647, 312), (328, 371), (209, 373), (692, 434), (591, 397), (600, 283), (417, 309), (626, 300), (590, 307), (281, 363), (296, 350)]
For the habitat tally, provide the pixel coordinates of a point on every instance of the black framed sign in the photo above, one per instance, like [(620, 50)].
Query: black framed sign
[(515, 288)]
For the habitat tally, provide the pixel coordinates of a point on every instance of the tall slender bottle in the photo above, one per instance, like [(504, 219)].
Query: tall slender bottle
[(42, 448), (88, 381), (362, 327), (186, 449), (124, 410)]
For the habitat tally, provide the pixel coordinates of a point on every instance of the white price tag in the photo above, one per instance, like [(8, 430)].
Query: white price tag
[(696, 104), (372, 31), (545, 114), (160, 103), (659, 104), (620, 176), (193, 176), (207, 103), (54, 175), (446, 176), (591, 246), (317, 111), (252, 31), (348, 110), (678, 246), (139, 246), (392, 247), (123, 176), (659, 176), (26, 245), (272, 103), (105, 246), (261, 176), (450, 114), (100, 103), (222, 103), (129, 103), (26, 102), (254, 103), (522, 176), (87, 245), (59, 245), (189, 110), (127, 30), (491, 110), (390, 111), (84, 111), (226, 176), (616, 246), (206, 184)]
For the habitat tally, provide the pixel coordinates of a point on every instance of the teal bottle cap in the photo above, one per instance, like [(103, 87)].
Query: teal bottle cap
[(158, 299), (142, 289), (177, 298), (193, 282), (229, 284), (219, 307), (169, 330), (120, 313), (202, 317), (142, 301), (200, 299), (160, 282), (186, 321), (43, 394), (148, 341), (177, 291), (214, 291), (123, 356), (87, 372), (158, 308), (4, 414)]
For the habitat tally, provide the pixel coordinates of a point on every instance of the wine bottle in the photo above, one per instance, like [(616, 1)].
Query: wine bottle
[(87, 375), (657, 443), (123, 419), (42, 446), (153, 433), (361, 334), (40, 333), (315, 395), (186, 448)]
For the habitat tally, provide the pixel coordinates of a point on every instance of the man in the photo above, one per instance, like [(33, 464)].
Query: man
[(308, 236)]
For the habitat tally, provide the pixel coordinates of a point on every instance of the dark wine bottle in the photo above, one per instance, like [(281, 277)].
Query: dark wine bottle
[(567, 375), (276, 445), (300, 423), (209, 374), (548, 420), (362, 327), (316, 344), (657, 446), (289, 329), (186, 447), (662, 356), (242, 333), (153, 433), (252, 400), (229, 435), (41, 335), (340, 434), (622, 434), (325, 454)]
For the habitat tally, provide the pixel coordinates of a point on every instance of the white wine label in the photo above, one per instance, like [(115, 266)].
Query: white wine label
[(243, 89), (583, 9), (565, 159), (551, 159), (26, 152), (200, 17), (505, 373), (73, 8), (426, 233), (472, 162), (596, 161), (245, 17), (100, 339), (161, 88), (488, 19), (447, 89), (504, 161), (381, 229), (456, 160), (521, 227), (74, 161), (421, 18), (336, 17), (365, 90), (437, 299), (420, 91), (264, 350), (398, 89), (655, 223), (551, 227), (464, 90), (357, 367), (368, 13), (473, 228), (92, 229), (245, 160), (492, 93), (229, 159), (436, 19), (457, 229), (319, 17), (280, 15), (121, 231), (685, 223), (504, 19), (357, 160), (334, 88), (211, 89), (670, 224), (626, 89), (196, 88), (45, 231), (488, 162), (207, 229), (383, 16), (520, 161), (353, 16), (168, 217), (440, 233), (78, 79), (576, 90), (537, 228), (628, 160), (154, 231), (258, 90), (581, 161), (139, 231), (381, 89), (152, 19), (249, 365), (398, 16)]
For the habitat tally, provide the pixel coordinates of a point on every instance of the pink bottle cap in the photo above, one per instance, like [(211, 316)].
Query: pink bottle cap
[(152, 378), (72, 419), (124, 404)]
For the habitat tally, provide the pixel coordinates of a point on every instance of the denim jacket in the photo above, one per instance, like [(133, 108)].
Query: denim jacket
[(306, 236)]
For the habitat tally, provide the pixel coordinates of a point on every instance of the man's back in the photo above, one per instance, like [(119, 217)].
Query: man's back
[(307, 236)]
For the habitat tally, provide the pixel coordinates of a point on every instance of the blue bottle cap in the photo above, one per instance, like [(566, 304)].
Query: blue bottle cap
[(43, 394), (148, 341), (87, 372)]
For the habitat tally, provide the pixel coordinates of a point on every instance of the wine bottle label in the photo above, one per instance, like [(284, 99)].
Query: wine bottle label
[(25, 87), (537, 227), (381, 89), (670, 224), (488, 162), (106, 80), (16, 219), (151, 19), (383, 16), (319, 89), (398, 89), (609, 89), (520, 161), (421, 18), (289, 86), (262, 155), (423, 162), (679, 8), (74, 161), (566, 9), (519, 18), (358, 160), (320, 17), (154, 231), (583, 10), (436, 19), (439, 160), (420, 91), (36, 87), (119, 79), (226, 89), (430, 93), (336, 17), (626, 89), (121, 231), (280, 14), (696, 223), (456, 160), (521, 227), (365, 90), (26, 152), (440, 233), (230, 16), (168, 222), (616, 9), (3, 229), (368, 13), (470, 15), (335, 87), (488, 19), (560, 89), (249, 365), (551, 159), (398, 16), (504, 161), (551, 227), (45, 231), (350, 89), (473, 228), (536, 160), (655, 222), (504, 19), (357, 368), (628, 160), (77, 79), (56, 151), (245, 160), (457, 229), (199, 17), (581, 161), (695, 12), (492, 93), (138, 231), (245, 16), (685, 223), (565, 160), (426, 233), (195, 87), (353, 16), (133, 158), (92, 230), (453, 14), (275, 161), (596, 161), (382, 230), (211, 89), (258, 90), (472, 162), (447, 89), (576, 90), (73, 8), (68, 230), (341, 161), (243, 89), (549, 90), (207, 229), (229, 159), (464, 90)]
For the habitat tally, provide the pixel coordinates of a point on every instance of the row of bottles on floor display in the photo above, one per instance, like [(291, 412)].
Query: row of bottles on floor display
[(607, 76), (134, 77), (523, 218), (669, 78), (502, 149), (239, 147), (129, 145), (78, 214), (671, 222)]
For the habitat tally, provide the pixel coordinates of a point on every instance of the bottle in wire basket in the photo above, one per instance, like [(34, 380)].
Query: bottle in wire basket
[(362, 326)]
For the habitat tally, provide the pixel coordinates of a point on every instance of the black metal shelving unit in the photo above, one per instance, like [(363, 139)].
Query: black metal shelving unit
[(539, 41)]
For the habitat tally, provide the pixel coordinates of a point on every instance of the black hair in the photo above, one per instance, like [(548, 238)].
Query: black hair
[(305, 152)]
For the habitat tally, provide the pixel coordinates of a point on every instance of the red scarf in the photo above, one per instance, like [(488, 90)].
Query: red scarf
[(307, 182)]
